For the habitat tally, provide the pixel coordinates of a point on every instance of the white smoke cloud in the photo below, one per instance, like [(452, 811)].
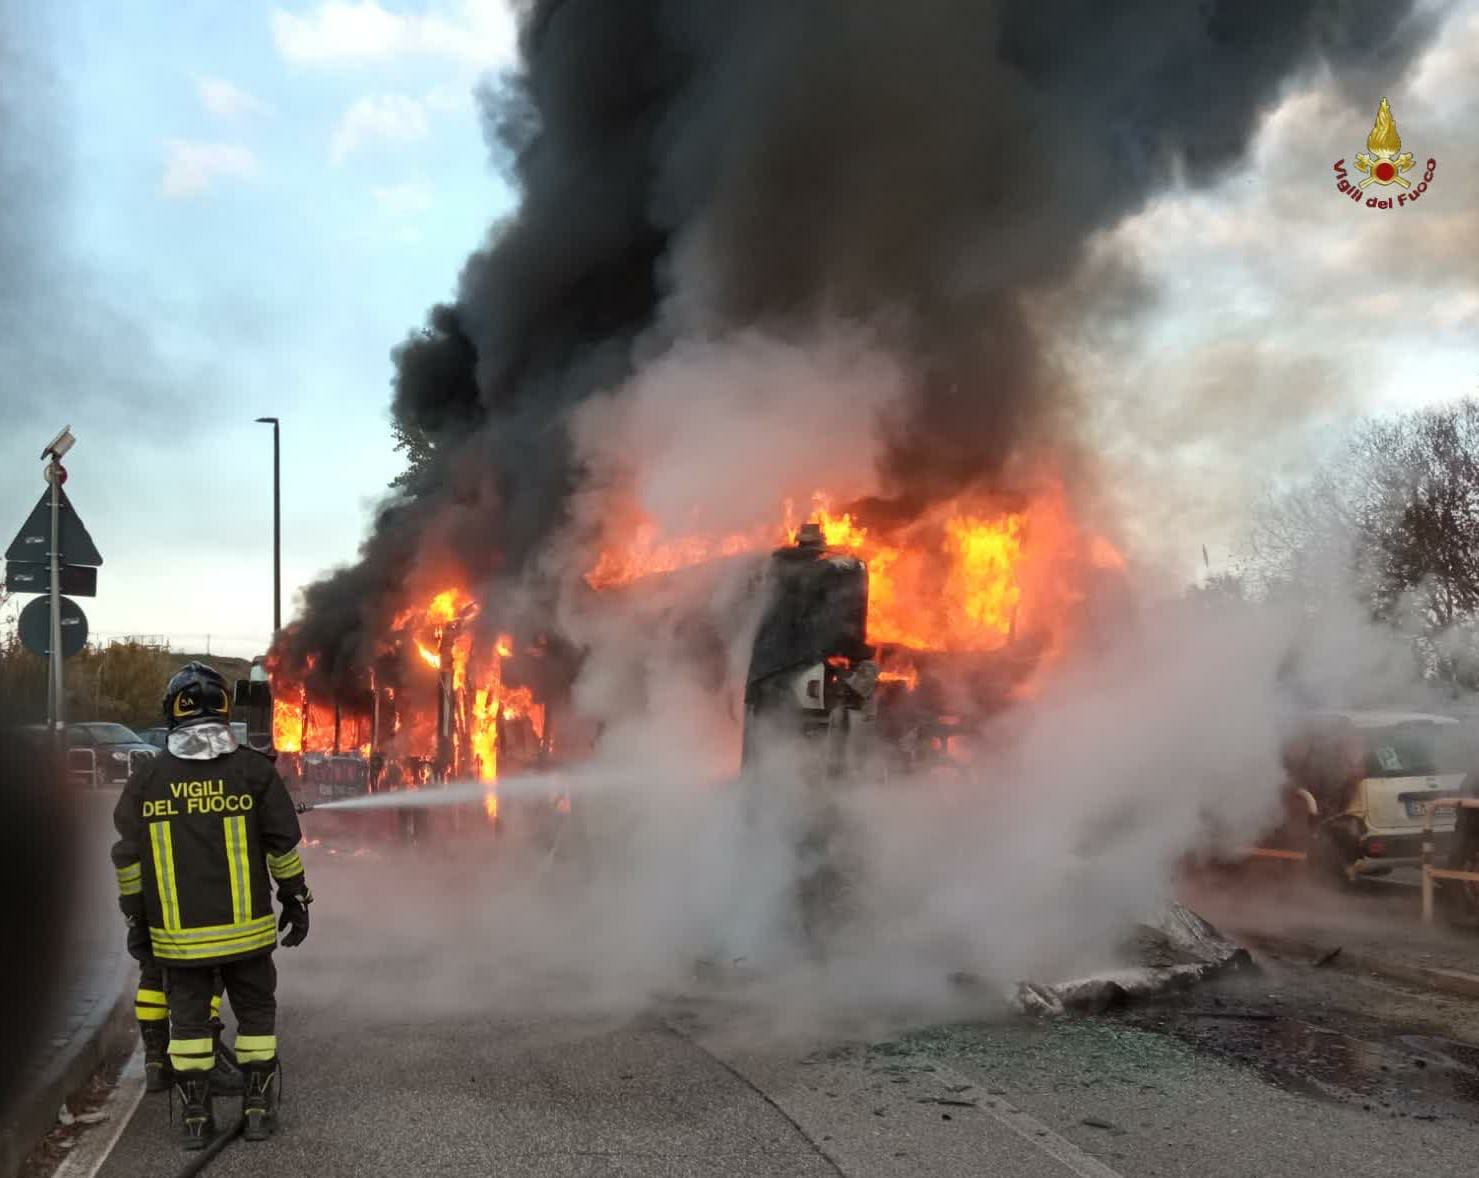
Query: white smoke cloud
[(716, 435), (1034, 861)]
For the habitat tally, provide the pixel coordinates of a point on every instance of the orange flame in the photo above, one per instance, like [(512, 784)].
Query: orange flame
[(969, 575), (287, 719), (974, 608), (647, 554)]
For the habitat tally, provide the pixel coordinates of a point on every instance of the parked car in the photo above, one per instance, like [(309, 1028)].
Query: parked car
[(100, 754), (1363, 781)]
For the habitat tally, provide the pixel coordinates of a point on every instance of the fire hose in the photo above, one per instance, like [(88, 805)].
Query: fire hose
[(204, 1158)]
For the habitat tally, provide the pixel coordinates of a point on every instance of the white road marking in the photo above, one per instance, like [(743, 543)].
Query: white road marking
[(94, 1148), (1030, 1129)]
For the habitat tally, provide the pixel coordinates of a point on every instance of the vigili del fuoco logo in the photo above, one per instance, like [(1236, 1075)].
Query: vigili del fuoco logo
[(1384, 163)]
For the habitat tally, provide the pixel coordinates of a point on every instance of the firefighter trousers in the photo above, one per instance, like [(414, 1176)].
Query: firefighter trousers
[(151, 1004), (251, 988)]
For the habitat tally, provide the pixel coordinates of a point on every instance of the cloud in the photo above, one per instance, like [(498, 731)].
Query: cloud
[(480, 33), (227, 99), (191, 168), (392, 117), (409, 199), (1278, 310)]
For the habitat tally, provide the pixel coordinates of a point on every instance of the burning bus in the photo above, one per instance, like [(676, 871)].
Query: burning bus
[(441, 701), (887, 648)]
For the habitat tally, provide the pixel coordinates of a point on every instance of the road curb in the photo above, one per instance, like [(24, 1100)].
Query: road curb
[(108, 1028), (1455, 982)]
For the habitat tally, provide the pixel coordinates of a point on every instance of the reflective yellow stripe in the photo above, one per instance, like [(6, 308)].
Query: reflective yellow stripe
[(229, 828), (130, 879), (164, 872), (239, 868), (211, 932), (192, 1055), (267, 940), (151, 1006), (285, 866), (216, 1006), (255, 1048), (221, 941)]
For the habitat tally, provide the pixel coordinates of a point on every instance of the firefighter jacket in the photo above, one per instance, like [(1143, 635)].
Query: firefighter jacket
[(197, 841)]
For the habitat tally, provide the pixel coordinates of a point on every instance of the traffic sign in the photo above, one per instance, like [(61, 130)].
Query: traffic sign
[(29, 577), (35, 627), (33, 541)]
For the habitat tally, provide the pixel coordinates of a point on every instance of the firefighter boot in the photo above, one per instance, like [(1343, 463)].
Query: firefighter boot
[(157, 1072), (197, 1118), (259, 1106)]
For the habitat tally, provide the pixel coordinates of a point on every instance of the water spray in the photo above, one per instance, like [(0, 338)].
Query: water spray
[(459, 793)]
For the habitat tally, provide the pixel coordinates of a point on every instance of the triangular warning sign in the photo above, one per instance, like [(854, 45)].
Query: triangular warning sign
[(33, 541)]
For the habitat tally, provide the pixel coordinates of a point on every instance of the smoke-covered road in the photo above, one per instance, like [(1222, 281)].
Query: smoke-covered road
[(678, 1092), (426, 1030)]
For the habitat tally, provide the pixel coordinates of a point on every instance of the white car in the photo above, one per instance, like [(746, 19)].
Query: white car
[(1367, 779)]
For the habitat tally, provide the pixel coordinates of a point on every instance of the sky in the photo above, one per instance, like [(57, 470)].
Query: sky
[(238, 210), (222, 210)]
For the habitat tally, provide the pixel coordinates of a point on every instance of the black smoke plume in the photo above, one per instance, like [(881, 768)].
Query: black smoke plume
[(694, 167)]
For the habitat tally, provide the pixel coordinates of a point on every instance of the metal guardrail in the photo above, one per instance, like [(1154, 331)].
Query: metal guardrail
[(1431, 873), (82, 767)]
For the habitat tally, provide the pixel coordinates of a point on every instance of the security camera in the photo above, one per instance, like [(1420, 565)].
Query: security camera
[(60, 444)]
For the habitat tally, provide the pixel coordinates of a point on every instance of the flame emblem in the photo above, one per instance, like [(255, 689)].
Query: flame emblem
[(1384, 165)]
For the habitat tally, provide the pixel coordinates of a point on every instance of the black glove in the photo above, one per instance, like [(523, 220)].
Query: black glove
[(140, 947), (295, 913)]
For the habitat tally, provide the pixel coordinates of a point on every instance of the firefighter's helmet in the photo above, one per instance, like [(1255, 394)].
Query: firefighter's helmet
[(196, 693)]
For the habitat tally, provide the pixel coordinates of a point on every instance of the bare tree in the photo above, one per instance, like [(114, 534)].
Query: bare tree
[(1303, 538), (1393, 518), (1417, 516)]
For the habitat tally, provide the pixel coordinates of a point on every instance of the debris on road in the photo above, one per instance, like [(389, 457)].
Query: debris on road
[(1178, 951)]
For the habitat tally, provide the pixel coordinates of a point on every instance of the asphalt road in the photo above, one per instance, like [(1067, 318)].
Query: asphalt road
[(1087, 1097), (676, 1094), (418, 1055)]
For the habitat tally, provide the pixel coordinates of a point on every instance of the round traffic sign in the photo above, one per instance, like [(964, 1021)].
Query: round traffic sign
[(60, 476), (35, 627)]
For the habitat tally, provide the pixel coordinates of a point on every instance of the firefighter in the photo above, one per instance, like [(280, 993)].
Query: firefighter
[(196, 828)]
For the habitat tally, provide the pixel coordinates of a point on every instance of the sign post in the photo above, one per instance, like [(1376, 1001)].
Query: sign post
[(54, 530), (57, 694)]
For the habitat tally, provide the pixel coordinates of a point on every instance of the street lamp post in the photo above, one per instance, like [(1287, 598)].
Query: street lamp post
[(56, 683), (276, 524)]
